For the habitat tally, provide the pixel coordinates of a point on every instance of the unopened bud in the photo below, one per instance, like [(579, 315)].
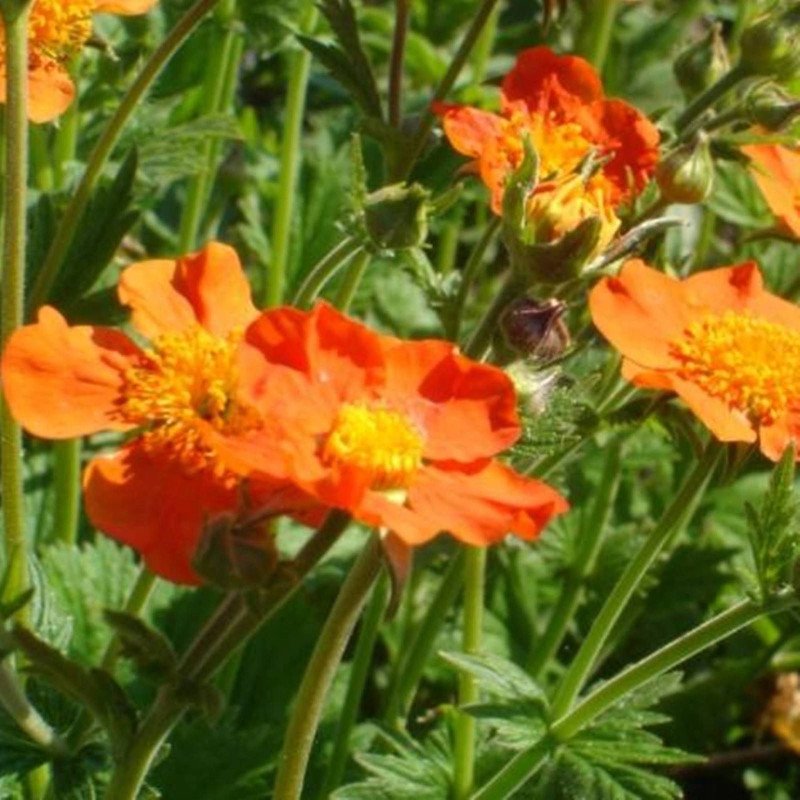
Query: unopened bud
[(770, 45), (535, 328), (686, 175), (233, 554), (771, 108), (396, 217), (702, 63)]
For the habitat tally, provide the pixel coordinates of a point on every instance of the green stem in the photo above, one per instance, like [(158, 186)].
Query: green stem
[(27, 718), (588, 547), (482, 51), (481, 339), (676, 515), (66, 142), (425, 126), (324, 270), (234, 621), (42, 176), (525, 764), (402, 9), (362, 659), (283, 209), (67, 489), (321, 670), (15, 17), (598, 23), (215, 100), (105, 144), (468, 690), (472, 270), (137, 600), (352, 279), (710, 96), (412, 660)]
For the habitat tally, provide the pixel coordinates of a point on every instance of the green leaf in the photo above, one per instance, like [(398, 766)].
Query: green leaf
[(497, 676), (413, 771), (772, 528), (108, 217)]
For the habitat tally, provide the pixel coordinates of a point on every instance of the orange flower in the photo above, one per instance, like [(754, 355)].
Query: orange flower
[(156, 492), (400, 434), (727, 347), (776, 170), (558, 102), (57, 30)]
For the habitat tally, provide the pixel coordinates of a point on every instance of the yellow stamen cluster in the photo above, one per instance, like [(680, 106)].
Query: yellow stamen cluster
[(750, 363), (382, 442), (57, 28), (184, 384)]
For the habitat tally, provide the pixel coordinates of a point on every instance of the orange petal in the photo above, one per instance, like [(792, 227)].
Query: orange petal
[(727, 424), (640, 313), (468, 129), (465, 410), (208, 287), (776, 171), (725, 288), (126, 7), (50, 90), (634, 141), (774, 439), (155, 507), (646, 378), (62, 381), (545, 81), (481, 505)]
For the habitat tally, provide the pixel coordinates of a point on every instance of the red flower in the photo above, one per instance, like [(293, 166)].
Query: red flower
[(558, 102), (157, 491), (400, 434)]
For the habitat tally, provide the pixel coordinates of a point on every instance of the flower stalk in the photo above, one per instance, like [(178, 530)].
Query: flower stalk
[(321, 670), (283, 213), (676, 515), (15, 21)]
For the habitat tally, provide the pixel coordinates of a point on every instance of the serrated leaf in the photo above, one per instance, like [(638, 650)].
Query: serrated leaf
[(516, 727), (497, 676), (108, 217)]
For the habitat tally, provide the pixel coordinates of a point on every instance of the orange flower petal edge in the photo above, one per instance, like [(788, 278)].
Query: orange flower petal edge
[(415, 432), (557, 101), (719, 340), (776, 170)]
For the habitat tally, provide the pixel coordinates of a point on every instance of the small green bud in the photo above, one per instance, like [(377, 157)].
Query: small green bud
[(233, 554), (770, 45), (702, 63), (771, 108), (686, 175), (396, 216)]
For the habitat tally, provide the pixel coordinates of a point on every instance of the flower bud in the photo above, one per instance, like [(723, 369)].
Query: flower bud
[(235, 555), (702, 63), (535, 328), (770, 45), (771, 108), (686, 175), (396, 217)]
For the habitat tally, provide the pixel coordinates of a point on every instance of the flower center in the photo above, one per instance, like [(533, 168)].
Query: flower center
[(381, 442), (184, 384), (751, 364)]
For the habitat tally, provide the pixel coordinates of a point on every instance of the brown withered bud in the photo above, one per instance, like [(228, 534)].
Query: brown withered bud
[(236, 553), (535, 328)]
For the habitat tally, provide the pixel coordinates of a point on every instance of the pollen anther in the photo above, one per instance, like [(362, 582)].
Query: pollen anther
[(748, 362), (382, 442)]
